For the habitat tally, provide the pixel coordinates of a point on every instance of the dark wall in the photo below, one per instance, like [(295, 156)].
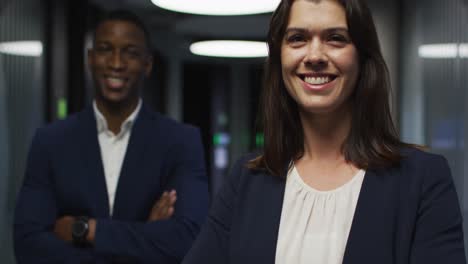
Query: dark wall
[(67, 25), (198, 90), (434, 90), (22, 104)]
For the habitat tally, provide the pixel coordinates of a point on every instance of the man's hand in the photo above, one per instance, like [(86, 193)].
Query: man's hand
[(164, 207), (63, 228)]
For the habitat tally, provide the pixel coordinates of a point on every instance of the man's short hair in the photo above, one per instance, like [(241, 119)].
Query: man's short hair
[(126, 16)]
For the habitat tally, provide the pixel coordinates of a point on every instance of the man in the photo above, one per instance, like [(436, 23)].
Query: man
[(101, 186)]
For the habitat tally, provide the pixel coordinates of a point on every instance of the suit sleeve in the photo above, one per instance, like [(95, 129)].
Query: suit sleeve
[(36, 212), (165, 241), (212, 245), (438, 235)]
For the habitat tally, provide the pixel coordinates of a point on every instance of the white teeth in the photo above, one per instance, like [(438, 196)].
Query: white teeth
[(317, 80), (115, 81)]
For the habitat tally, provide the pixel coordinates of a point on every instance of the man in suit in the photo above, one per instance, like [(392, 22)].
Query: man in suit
[(101, 186)]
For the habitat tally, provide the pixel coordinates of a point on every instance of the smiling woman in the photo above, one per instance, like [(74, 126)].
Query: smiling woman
[(334, 183), (320, 64)]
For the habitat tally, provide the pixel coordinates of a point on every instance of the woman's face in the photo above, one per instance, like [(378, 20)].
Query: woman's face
[(320, 64)]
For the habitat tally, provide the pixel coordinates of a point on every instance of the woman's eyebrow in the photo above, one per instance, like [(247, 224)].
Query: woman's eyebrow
[(304, 30), (295, 29), (337, 29)]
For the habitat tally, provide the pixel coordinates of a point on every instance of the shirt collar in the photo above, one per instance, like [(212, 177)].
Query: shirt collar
[(101, 122)]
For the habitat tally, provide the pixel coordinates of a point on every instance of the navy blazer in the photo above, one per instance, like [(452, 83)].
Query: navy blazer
[(65, 176), (405, 214)]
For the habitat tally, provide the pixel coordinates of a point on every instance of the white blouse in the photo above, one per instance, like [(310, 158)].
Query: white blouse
[(315, 224)]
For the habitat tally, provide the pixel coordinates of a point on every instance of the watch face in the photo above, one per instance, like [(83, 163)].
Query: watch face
[(79, 228)]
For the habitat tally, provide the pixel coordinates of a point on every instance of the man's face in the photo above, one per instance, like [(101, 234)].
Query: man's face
[(119, 61)]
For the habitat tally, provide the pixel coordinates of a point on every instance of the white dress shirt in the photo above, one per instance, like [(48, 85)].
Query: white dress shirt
[(113, 149), (315, 225)]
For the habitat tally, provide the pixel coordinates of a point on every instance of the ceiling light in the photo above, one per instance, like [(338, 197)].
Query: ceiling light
[(219, 7), (438, 51), (22, 48), (444, 51), (230, 48), (463, 50)]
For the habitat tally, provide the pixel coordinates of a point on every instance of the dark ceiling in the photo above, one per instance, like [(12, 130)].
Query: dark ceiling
[(172, 33)]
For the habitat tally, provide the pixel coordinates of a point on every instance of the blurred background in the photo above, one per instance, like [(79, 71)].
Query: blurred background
[(43, 77)]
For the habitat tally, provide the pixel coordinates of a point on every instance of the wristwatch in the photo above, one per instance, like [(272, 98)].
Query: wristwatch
[(80, 229)]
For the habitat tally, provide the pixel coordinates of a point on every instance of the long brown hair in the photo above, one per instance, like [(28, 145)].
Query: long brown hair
[(373, 140)]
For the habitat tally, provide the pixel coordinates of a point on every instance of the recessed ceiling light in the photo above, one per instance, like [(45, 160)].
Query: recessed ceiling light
[(219, 7), (230, 48), (22, 48)]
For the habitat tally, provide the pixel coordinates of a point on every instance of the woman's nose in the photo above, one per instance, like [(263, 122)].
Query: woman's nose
[(316, 54)]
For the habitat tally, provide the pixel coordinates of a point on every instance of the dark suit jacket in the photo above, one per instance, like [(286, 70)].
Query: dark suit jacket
[(405, 214), (65, 176)]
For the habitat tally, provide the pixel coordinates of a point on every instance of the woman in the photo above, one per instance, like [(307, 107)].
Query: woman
[(334, 183)]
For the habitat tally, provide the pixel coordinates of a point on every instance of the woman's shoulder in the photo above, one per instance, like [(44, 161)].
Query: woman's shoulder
[(417, 156), (243, 174), (244, 159), (241, 165), (422, 164)]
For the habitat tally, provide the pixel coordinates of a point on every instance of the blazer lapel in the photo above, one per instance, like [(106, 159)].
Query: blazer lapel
[(371, 235), (93, 168), (131, 167), (275, 194), (257, 228)]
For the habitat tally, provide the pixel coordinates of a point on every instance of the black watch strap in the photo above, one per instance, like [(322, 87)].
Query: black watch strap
[(80, 229)]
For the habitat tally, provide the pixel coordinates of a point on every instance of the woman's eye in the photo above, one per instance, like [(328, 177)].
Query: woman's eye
[(295, 38), (338, 38)]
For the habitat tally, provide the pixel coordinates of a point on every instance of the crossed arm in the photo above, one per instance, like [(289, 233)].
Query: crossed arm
[(42, 235), (162, 209)]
